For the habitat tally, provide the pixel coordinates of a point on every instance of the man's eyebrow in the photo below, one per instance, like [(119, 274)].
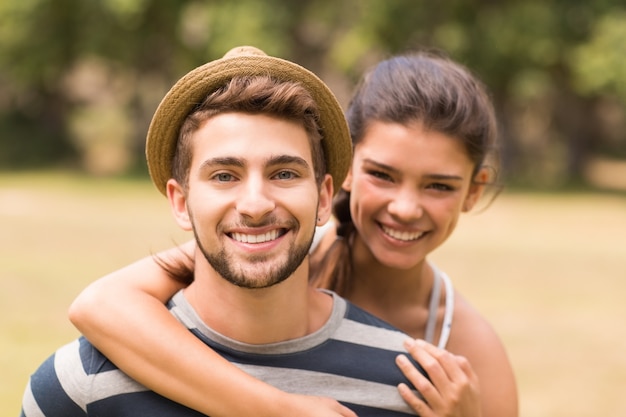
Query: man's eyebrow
[(434, 176), (240, 163), (287, 160), (223, 161)]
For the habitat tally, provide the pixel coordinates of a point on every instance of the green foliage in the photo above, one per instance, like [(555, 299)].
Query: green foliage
[(89, 74), (599, 65)]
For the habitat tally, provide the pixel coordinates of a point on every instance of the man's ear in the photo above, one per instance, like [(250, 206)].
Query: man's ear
[(178, 203), (347, 182), (476, 189), (325, 206)]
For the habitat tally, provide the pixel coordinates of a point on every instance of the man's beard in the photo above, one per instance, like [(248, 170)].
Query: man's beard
[(265, 276)]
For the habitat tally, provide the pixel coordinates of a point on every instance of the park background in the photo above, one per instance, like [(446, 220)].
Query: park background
[(545, 262)]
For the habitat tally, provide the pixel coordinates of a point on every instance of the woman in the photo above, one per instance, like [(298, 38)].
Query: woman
[(422, 129)]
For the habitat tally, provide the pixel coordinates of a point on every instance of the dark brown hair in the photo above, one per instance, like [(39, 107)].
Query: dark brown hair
[(424, 87), (253, 95)]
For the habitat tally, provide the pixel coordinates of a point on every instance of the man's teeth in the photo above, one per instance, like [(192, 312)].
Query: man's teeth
[(245, 238), (405, 236)]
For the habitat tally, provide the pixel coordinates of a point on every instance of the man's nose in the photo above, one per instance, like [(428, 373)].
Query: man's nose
[(255, 200)]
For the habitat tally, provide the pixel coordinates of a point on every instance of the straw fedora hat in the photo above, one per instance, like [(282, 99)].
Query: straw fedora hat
[(192, 89)]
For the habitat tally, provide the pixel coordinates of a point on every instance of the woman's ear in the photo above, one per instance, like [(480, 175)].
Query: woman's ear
[(476, 189), (347, 182), (178, 203)]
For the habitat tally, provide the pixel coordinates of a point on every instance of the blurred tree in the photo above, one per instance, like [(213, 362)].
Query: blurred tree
[(67, 64), (79, 80), (32, 110), (542, 61)]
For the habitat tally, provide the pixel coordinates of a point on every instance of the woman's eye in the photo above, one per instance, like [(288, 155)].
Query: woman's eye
[(441, 187), (380, 175)]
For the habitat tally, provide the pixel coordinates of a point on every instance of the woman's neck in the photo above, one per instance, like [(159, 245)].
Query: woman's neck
[(389, 292)]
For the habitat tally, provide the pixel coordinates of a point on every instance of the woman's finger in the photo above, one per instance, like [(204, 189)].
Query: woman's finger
[(451, 388), (415, 401), (431, 362)]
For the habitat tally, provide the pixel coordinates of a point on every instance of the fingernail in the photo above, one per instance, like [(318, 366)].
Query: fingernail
[(402, 359), (409, 343)]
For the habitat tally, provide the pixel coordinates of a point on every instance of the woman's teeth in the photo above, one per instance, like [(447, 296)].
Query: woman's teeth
[(402, 235)]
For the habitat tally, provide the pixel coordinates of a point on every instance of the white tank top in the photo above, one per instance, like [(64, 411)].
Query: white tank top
[(446, 326)]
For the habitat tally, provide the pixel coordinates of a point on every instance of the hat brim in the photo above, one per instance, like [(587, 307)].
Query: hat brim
[(193, 88)]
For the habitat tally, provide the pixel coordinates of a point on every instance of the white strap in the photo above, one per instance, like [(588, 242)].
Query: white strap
[(449, 312), (429, 336)]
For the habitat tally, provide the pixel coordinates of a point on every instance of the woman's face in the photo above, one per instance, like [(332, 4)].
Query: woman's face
[(408, 187)]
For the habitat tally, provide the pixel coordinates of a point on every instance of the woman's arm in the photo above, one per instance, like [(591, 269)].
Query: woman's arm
[(474, 338), (124, 316)]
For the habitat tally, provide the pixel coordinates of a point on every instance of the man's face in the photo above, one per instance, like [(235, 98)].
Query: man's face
[(252, 200)]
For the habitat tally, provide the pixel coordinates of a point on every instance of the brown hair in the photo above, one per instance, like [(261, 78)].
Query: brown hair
[(423, 87), (253, 95)]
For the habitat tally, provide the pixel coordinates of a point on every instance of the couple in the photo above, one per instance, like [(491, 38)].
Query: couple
[(254, 209)]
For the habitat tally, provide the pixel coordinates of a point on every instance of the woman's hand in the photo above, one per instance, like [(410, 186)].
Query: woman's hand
[(453, 389)]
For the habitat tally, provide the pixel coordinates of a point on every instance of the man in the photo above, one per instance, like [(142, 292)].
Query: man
[(246, 148)]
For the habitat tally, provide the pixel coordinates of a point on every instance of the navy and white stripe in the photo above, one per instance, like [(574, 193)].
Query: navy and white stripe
[(351, 358)]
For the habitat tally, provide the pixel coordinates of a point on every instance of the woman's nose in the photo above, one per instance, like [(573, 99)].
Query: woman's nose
[(406, 206)]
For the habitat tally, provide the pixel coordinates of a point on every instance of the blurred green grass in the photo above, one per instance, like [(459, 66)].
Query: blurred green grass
[(549, 271)]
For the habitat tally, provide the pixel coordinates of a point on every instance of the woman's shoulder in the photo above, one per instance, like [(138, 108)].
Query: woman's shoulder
[(469, 323), (473, 336)]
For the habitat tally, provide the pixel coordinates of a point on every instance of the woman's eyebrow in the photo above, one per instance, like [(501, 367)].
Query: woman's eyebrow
[(434, 176), (447, 177), (380, 165)]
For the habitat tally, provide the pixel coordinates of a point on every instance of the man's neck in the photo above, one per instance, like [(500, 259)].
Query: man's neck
[(281, 312)]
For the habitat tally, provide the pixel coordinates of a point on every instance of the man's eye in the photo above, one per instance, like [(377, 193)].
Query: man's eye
[(224, 177), (285, 175)]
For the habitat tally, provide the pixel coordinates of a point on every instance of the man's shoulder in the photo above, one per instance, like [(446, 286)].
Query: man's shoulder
[(80, 356), (361, 327), (62, 381), (356, 313), (75, 376), (78, 362)]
